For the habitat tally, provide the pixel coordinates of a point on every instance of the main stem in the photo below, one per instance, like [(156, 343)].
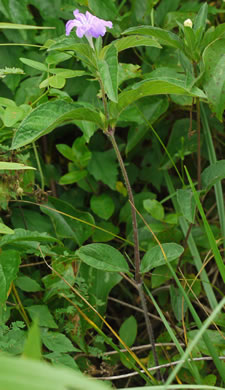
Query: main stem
[(111, 136), (138, 278)]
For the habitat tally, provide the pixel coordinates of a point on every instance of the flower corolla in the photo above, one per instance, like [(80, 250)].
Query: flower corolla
[(87, 25), (188, 23)]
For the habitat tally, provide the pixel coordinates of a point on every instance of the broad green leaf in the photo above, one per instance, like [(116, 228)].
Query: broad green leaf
[(165, 37), (48, 116), (200, 22), (83, 51), (12, 115), (78, 228), (62, 359), (105, 236), (34, 375), (187, 204), (66, 151), (43, 315), (128, 331), (56, 81), (102, 205), (32, 348), (7, 102), (214, 76), (103, 257), (25, 283), (67, 73), (154, 208), (101, 284), (57, 342), (26, 235), (5, 229), (73, 177), (212, 34), (9, 266), (105, 9), (133, 41), (163, 85), (15, 26), (34, 64), (13, 166), (154, 257), (103, 166), (108, 70), (212, 174)]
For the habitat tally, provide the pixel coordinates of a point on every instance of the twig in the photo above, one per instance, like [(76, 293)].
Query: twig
[(166, 365)]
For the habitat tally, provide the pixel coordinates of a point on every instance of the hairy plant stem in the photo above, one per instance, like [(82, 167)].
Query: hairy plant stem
[(137, 260), (138, 278)]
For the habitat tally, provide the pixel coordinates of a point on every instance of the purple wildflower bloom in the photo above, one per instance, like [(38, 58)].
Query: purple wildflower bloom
[(88, 25)]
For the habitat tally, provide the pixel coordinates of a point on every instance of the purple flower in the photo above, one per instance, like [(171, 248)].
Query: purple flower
[(88, 25)]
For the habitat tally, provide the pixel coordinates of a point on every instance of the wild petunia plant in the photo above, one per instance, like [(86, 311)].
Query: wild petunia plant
[(110, 101)]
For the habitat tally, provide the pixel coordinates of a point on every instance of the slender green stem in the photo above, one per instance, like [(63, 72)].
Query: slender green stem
[(39, 166)]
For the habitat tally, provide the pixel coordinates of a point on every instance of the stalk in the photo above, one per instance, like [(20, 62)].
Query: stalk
[(138, 278)]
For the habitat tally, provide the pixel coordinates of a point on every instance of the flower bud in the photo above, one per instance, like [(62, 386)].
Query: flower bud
[(188, 23)]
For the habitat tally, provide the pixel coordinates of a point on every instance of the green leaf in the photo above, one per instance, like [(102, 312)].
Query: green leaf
[(108, 70), (5, 229), (165, 37), (25, 283), (56, 81), (104, 236), (32, 348), (105, 9), (154, 257), (66, 151), (187, 204), (128, 331), (103, 257), (212, 174), (154, 208), (13, 166), (163, 85), (214, 76), (43, 315), (26, 235), (48, 116), (67, 73), (77, 227), (9, 266), (57, 342), (34, 64), (103, 166), (15, 26), (34, 375), (200, 22), (62, 359), (73, 177), (133, 41), (12, 115), (98, 290), (102, 205)]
